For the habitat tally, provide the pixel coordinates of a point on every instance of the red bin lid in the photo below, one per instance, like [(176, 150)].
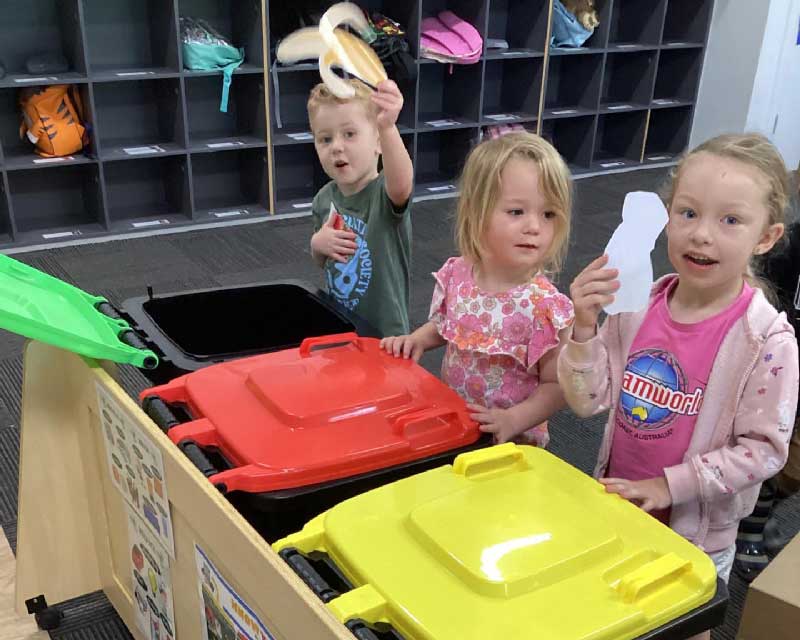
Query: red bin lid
[(308, 415)]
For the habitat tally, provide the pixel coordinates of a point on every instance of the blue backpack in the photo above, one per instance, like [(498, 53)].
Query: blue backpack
[(204, 49), (566, 30)]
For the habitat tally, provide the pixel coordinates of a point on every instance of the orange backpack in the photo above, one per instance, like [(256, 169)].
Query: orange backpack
[(51, 119)]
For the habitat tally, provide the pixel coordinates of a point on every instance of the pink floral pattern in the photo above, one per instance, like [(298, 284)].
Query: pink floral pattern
[(495, 340)]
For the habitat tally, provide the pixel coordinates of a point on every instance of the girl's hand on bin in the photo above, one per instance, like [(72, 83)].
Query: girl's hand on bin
[(650, 495), (403, 347), (499, 422)]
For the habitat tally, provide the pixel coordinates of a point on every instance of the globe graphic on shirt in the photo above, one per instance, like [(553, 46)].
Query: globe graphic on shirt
[(659, 367)]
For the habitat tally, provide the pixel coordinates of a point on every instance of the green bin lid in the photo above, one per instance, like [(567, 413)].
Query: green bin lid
[(38, 306)]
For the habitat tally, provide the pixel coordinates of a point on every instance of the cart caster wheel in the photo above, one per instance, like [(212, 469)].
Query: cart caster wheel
[(49, 619)]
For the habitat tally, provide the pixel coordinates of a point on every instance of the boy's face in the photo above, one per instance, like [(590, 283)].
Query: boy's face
[(346, 141)]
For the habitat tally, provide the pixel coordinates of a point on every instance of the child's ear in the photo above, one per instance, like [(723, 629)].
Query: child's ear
[(771, 235)]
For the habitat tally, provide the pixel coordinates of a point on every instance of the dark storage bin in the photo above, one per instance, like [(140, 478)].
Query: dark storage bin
[(636, 24), (521, 23), (511, 90), (243, 125), (139, 118), (193, 329), (573, 85), (298, 176), (620, 139), (33, 27), (667, 134), (686, 22), (439, 159), (628, 81), (573, 138), (129, 39), (449, 96)]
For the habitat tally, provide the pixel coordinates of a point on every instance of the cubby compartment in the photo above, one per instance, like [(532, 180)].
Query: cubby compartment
[(298, 176), (573, 138), (244, 123), (619, 140), (147, 192), (573, 85), (35, 27), (439, 159), (636, 24), (473, 11), (131, 39), (230, 183), (19, 153), (667, 134), (65, 205), (521, 25), (678, 77), (686, 22), (288, 105), (628, 80), (598, 39), (511, 90), (139, 118), (237, 20), (449, 96)]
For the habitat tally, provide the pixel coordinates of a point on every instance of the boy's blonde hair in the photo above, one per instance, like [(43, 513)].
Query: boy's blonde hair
[(480, 190), (753, 150), (321, 95)]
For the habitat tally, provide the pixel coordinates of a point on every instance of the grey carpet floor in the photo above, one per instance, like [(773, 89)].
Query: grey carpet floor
[(278, 250)]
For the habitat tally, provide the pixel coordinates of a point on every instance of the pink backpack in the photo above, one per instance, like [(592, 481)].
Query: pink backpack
[(448, 38)]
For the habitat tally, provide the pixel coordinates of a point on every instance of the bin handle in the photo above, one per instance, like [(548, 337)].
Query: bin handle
[(651, 577), (487, 462), (309, 343), (403, 421)]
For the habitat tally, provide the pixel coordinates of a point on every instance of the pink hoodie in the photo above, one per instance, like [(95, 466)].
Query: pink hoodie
[(743, 427)]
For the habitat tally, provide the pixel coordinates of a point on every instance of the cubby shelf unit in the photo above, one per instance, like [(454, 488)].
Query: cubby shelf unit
[(163, 156)]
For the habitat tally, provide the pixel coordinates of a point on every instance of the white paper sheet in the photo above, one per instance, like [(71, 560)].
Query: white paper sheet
[(643, 218)]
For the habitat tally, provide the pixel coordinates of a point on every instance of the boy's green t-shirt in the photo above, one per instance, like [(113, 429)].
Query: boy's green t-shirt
[(374, 283)]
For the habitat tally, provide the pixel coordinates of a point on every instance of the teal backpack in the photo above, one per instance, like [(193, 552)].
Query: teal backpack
[(204, 49)]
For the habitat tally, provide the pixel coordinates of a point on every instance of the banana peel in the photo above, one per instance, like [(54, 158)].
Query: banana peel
[(336, 47)]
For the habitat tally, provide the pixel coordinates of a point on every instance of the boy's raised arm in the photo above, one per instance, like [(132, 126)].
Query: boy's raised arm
[(397, 168)]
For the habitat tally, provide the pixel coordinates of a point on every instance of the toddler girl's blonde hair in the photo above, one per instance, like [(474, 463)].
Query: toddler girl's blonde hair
[(753, 150), (321, 95), (480, 190)]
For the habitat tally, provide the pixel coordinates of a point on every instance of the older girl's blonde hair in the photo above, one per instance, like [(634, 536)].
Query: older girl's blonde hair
[(753, 150), (480, 190)]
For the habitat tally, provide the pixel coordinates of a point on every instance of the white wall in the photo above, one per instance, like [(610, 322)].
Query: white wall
[(729, 68), (751, 74)]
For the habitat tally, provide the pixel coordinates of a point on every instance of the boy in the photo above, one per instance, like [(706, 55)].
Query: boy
[(362, 221)]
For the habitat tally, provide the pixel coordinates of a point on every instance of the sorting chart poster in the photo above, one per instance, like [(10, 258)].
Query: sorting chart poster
[(152, 584), (226, 616), (136, 467)]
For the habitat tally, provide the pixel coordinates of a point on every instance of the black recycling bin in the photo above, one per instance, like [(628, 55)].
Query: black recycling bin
[(192, 329)]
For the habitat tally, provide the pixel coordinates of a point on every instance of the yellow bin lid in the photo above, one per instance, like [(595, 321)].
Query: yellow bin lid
[(509, 542)]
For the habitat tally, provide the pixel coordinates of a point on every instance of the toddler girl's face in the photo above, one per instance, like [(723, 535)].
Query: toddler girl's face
[(521, 226), (718, 219)]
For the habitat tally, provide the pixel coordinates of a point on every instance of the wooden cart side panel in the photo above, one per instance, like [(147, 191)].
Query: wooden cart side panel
[(199, 515), (55, 547)]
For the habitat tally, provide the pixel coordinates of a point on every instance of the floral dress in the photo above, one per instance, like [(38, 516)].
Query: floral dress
[(495, 340)]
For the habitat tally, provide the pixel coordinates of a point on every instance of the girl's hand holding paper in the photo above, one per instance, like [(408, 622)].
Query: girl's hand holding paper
[(643, 218)]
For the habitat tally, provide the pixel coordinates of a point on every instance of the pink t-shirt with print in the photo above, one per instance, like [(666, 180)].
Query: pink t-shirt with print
[(495, 340), (662, 389)]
